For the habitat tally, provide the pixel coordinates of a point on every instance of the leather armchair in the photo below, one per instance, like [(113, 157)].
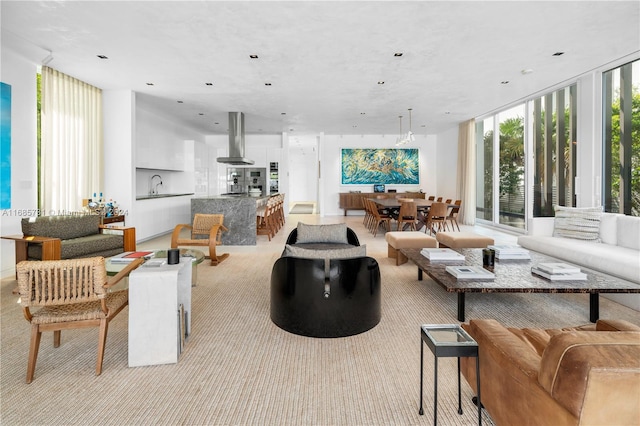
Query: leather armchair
[(572, 376)]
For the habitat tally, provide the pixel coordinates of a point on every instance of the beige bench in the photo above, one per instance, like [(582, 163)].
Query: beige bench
[(397, 240), (463, 240)]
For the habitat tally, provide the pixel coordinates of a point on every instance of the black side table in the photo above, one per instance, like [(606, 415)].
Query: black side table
[(448, 340)]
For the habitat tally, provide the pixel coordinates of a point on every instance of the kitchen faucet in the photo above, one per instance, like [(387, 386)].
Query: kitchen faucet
[(153, 190)]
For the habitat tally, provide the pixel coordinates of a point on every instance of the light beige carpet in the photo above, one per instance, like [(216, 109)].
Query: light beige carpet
[(238, 368)]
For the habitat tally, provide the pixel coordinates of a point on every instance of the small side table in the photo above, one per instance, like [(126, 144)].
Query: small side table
[(448, 340)]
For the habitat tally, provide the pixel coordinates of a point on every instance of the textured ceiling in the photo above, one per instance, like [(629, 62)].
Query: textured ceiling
[(324, 59)]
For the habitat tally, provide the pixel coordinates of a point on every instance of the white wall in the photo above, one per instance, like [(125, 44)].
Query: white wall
[(330, 152), (20, 73), (447, 164)]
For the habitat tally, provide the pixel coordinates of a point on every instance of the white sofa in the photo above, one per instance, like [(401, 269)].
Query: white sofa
[(618, 254)]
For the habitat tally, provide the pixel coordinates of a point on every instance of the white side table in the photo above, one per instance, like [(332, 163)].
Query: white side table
[(159, 313)]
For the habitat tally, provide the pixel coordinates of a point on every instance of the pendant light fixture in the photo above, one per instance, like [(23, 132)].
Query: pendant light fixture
[(410, 137), (400, 139)]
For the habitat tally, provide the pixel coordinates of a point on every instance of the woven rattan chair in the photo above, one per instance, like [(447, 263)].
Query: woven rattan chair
[(206, 231), (69, 294)]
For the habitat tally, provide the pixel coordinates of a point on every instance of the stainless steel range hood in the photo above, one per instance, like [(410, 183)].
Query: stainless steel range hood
[(236, 141)]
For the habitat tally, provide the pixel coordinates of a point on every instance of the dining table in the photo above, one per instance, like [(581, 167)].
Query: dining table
[(394, 203)]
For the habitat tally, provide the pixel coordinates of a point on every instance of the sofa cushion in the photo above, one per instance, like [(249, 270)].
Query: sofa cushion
[(342, 253), (614, 260), (63, 227), (578, 223), (609, 228), (629, 232), (336, 233)]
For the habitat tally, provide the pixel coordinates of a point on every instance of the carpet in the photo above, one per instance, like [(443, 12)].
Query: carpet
[(300, 208), (238, 368)]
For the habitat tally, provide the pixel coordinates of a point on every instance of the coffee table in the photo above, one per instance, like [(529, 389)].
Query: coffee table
[(514, 276), (196, 257)]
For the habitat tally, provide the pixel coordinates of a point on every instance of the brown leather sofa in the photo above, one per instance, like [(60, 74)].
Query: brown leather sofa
[(586, 375)]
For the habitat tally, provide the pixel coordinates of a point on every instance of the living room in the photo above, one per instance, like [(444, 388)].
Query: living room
[(311, 375)]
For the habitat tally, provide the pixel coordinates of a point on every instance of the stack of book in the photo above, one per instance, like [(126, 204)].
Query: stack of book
[(466, 272), (130, 256), (507, 252), (441, 254), (559, 272)]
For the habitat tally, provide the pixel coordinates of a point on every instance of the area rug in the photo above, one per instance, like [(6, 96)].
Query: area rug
[(300, 208), (238, 368)]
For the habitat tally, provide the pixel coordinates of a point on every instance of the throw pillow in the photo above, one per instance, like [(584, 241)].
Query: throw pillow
[(345, 253), (336, 233), (578, 223)]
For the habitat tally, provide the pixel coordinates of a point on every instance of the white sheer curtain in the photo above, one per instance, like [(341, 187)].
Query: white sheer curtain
[(466, 181), (71, 161)]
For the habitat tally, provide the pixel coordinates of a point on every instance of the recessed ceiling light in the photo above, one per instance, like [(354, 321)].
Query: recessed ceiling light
[(504, 82), (149, 84), (267, 84), (526, 71), (209, 84), (180, 102), (201, 113), (283, 113), (397, 54), (362, 113), (102, 57), (381, 82), (216, 123), (447, 112), (253, 56), (558, 54)]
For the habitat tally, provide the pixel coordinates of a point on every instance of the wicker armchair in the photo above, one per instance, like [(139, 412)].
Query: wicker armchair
[(70, 293), (206, 231)]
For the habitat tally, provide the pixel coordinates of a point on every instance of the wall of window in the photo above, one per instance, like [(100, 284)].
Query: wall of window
[(621, 139), (554, 121), (548, 124)]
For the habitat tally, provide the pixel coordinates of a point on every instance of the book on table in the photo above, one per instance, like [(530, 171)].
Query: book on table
[(505, 251), (557, 268), (466, 272), (441, 254), (561, 276), (130, 256)]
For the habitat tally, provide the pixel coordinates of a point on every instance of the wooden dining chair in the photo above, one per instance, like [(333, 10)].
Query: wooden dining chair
[(379, 219), (432, 198), (71, 293), (439, 200), (408, 215), (206, 231), (436, 218), (453, 215)]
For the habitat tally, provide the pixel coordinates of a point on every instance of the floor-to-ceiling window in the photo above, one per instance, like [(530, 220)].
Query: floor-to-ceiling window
[(484, 169), (548, 124), (621, 137), (511, 167), (553, 121)]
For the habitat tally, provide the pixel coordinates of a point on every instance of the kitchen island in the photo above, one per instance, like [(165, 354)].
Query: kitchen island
[(239, 212)]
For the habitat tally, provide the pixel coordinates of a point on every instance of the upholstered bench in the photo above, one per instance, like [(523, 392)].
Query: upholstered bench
[(463, 240), (397, 240)]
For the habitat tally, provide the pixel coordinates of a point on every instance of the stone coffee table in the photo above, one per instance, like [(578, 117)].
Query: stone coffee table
[(514, 276)]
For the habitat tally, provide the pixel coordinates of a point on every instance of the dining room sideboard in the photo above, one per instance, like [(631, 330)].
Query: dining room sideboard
[(353, 200)]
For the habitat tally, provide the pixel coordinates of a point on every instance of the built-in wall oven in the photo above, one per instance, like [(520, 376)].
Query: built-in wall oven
[(241, 180), (256, 178)]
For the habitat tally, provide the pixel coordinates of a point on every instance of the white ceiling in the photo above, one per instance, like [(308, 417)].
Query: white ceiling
[(324, 59)]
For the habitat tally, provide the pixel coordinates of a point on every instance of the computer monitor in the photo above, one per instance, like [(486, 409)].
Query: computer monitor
[(378, 188)]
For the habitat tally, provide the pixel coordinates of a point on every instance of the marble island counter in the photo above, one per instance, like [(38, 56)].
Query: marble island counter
[(239, 215)]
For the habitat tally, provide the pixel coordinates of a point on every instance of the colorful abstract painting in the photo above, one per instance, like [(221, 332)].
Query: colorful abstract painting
[(5, 146), (380, 166)]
